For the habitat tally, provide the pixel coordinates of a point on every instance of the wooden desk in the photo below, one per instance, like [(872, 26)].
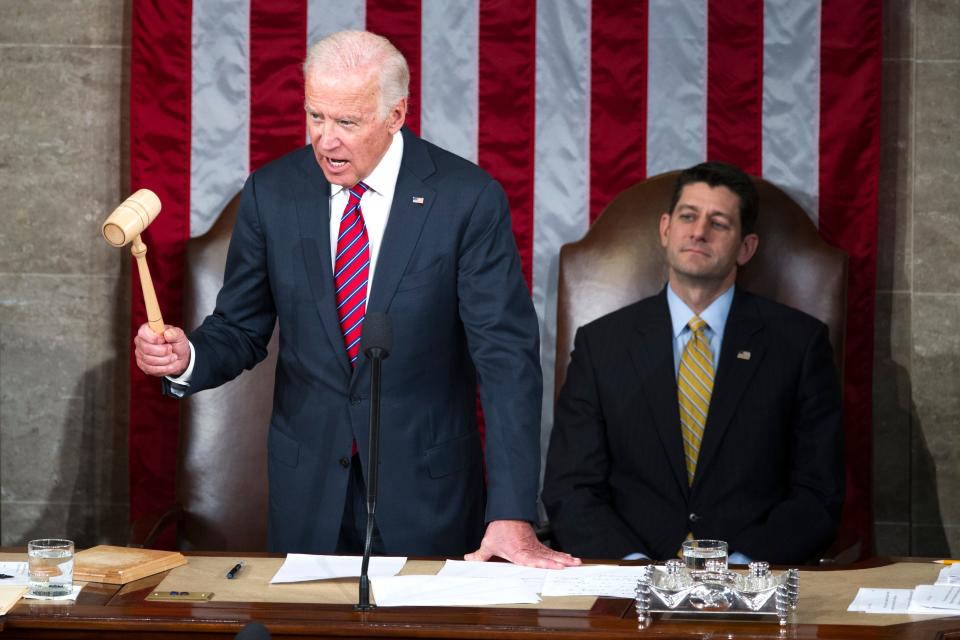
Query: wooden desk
[(108, 611)]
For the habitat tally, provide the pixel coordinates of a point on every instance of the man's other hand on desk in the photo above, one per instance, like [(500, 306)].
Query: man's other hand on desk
[(162, 355), (515, 540)]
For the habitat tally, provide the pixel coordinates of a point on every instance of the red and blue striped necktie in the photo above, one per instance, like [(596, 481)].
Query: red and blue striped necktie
[(351, 272)]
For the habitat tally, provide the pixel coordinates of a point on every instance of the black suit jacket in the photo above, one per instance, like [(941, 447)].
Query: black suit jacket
[(769, 478), (448, 275)]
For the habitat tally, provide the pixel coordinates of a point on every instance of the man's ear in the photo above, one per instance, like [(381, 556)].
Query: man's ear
[(664, 226), (748, 247), (397, 116)]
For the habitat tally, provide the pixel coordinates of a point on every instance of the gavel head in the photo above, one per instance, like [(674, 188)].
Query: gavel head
[(130, 219)]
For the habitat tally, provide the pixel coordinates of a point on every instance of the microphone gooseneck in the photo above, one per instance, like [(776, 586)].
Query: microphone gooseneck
[(376, 345)]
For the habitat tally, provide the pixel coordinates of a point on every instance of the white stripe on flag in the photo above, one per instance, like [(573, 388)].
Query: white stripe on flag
[(561, 167), (220, 108), (329, 16), (448, 75), (791, 99), (676, 85)]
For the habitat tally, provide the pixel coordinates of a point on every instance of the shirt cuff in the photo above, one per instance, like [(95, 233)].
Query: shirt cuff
[(184, 378)]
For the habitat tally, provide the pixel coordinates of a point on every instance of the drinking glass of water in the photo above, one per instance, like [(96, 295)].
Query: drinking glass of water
[(696, 553), (50, 564)]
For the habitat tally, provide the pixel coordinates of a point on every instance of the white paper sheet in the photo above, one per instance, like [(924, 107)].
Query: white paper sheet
[(446, 591), (882, 600), (21, 576), (593, 580), (940, 598), (531, 576), (949, 575), (300, 567)]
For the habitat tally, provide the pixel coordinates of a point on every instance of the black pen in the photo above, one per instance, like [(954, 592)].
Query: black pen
[(4, 576), (236, 569)]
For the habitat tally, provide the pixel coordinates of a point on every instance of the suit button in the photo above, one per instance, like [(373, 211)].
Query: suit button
[(344, 462), (354, 400), (694, 517)]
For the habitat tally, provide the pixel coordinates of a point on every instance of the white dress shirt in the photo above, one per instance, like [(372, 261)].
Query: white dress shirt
[(375, 203)]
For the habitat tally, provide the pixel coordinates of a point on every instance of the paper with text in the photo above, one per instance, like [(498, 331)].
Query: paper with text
[(531, 576), (18, 572), (949, 575), (941, 598), (593, 580), (301, 567), (882, 600)]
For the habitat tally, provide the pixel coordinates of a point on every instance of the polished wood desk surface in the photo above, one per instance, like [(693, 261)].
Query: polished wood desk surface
[(111, 611)]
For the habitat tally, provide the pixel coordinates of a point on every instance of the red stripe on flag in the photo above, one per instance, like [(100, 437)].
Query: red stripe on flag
[(735, 83), (159, 160), (505, 142), (618, 104), (278, 37), (849, 175), (399, 21)]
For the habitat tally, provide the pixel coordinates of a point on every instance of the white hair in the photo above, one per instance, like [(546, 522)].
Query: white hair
[(347, 51)]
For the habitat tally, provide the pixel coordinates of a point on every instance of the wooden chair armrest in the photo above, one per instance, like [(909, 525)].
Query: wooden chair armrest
[(145, 530)]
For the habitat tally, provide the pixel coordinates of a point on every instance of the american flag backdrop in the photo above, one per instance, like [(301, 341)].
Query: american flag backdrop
[(565, 102)]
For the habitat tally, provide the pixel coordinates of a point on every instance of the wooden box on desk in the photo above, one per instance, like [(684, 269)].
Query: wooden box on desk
[(120, 565)]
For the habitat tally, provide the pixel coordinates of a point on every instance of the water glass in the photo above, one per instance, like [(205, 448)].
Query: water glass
[(50, 565), (697, 553)]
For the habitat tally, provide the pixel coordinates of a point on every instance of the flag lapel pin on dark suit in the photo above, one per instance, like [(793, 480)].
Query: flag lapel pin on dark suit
[(743, 355)]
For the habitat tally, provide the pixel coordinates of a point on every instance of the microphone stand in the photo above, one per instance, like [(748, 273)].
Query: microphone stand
[(376, 355)]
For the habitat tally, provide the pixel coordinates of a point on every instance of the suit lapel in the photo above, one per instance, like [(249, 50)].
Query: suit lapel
[(743, 336), (312, 195), (412, 201), (652, 355)]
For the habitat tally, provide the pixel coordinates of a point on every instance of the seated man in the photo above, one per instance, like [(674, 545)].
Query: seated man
[(704, 410)]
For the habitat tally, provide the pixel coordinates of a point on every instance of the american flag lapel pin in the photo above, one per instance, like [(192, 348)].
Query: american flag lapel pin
[(417, 199), (743, 355)]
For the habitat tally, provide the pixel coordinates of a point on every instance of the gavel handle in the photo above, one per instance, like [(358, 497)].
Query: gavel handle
[(154, 319)]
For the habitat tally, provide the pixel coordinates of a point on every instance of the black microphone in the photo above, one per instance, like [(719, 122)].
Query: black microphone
[(377, 335), (253, 631), (377, 343)]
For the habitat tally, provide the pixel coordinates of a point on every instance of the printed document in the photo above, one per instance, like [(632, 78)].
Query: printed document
[(301, 567)]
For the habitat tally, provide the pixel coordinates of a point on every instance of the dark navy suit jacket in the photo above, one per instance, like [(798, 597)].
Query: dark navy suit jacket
[(448, 276), (769, 477)]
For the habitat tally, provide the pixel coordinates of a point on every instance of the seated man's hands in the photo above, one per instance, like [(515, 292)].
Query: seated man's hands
[(515, 540)]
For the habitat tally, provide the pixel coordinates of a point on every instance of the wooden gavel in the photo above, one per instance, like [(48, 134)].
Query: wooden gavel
[(125, 225)]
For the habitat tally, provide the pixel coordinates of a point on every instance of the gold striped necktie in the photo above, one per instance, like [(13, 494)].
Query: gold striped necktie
[(694, 388)]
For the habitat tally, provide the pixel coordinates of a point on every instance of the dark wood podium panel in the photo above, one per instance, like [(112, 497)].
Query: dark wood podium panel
[(110, 611)]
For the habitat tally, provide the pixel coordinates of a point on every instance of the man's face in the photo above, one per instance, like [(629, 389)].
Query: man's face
[(703, 238), (348, 135)]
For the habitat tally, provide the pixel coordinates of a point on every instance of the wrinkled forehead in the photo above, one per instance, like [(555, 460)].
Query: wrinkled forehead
[(341, 90)]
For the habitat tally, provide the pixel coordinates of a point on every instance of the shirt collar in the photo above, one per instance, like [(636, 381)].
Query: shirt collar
[(715, 315), (383, 179)]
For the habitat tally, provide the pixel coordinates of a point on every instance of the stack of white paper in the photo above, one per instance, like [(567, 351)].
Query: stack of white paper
[(531, 576), (17, 572), (593, 580), (925, 599), (949, 575), (300, 567), (462, 583)]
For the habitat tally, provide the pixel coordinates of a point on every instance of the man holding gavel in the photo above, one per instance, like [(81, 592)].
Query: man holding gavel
[(369, 217)]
